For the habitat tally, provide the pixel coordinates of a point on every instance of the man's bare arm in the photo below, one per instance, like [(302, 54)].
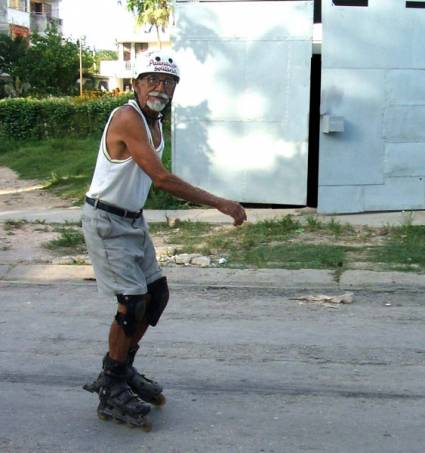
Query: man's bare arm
[(129, 129)]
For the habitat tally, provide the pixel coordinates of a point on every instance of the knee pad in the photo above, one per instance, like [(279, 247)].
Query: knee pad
[(136, 309), (158, 291)]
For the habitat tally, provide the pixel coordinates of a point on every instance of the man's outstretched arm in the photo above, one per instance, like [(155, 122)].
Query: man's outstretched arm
[(176, 186), (133, 133)]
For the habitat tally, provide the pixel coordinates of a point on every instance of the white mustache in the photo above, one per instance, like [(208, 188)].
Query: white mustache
[(160, 95)]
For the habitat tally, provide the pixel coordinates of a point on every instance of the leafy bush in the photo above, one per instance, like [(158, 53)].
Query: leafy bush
[(29, 119)]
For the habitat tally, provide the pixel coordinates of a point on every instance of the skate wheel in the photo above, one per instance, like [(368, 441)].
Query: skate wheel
[(147, 426), (104, 417), (160, 400), (144, 424)]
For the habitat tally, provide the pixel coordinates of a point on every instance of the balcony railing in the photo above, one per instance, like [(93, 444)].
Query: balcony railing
[(40, 22), (16, 17), (116, 68), (49, 9)]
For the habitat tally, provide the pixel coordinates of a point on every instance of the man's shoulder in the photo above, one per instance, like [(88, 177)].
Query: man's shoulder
[(126, 110), (127, 122), (125, 113)]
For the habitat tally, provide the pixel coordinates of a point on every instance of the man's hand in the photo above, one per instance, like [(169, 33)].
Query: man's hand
[(233, 209)]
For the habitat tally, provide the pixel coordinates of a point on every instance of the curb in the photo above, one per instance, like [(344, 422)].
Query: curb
[(372, 219), (223, 277)]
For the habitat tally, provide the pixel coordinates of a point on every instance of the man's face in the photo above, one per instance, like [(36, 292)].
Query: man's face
[(155, 91)]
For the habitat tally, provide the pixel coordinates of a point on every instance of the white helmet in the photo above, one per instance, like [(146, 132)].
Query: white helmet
[(157, 61)]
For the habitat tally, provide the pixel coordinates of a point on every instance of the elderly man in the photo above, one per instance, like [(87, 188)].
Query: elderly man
[(117, 237)]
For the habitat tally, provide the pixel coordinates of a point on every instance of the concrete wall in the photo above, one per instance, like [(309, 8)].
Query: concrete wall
[(374, 78)]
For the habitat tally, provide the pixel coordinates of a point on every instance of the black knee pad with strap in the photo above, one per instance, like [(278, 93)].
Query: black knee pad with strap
[(136, 310), (158, 291)]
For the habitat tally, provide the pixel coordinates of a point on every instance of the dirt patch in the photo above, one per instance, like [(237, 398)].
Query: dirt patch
[(17, 194), (24, 244), (21, 242)]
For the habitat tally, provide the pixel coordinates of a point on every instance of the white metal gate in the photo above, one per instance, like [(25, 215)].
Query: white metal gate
[(241, 110), (373, 83)]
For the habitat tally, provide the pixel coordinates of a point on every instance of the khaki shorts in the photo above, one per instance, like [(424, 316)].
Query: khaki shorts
[(121, 252)]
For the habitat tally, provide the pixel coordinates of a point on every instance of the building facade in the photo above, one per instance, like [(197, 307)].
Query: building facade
[(118, 73), (22, 17)]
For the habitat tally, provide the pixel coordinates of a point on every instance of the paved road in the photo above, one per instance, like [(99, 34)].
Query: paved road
[(245, 370)]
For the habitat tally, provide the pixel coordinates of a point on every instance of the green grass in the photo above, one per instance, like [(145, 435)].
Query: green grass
[(267, 244), (313, 223), (288, 243), (10, 225), (295, 243), (65, 166), (70, 240), (263, 244), (404, 248), (290, 256), (339, 229)]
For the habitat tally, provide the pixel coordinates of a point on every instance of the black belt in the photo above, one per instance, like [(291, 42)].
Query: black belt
[(113, 209)]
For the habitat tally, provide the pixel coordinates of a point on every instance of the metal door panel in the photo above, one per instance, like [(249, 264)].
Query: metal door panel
[(247, 91), (240, 116), (372, 79), (385, 34), (355, 156), (250, 20), (241, 160)]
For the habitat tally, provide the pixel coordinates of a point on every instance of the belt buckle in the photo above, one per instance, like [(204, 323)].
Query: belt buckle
[(125, 212), (96, 202)]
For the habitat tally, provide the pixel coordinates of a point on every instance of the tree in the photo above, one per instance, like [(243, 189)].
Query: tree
[(53, 65), (50, 65), (13, 53), (155, 13)]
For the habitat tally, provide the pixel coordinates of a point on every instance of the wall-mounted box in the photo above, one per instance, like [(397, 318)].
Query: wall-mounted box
[(332, 124)]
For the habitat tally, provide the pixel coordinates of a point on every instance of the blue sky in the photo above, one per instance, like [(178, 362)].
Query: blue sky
[(101, 21)]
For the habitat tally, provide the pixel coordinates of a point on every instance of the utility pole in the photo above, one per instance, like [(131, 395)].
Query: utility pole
[(81, 68)]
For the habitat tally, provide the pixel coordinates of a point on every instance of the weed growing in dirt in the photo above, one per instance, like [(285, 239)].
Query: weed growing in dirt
[(69, 238), (10, 225), (404, 248), (313, 223), (291, 243), (296, 243)]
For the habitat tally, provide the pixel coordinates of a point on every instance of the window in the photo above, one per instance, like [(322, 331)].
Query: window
[(48, 9), (127, 51), (37, 7), (126, 83), (141, 47)]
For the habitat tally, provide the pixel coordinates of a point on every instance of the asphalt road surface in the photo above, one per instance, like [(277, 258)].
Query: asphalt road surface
[(244, 370)]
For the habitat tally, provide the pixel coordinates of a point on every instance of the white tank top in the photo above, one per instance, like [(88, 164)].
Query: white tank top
[(122, 182)]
